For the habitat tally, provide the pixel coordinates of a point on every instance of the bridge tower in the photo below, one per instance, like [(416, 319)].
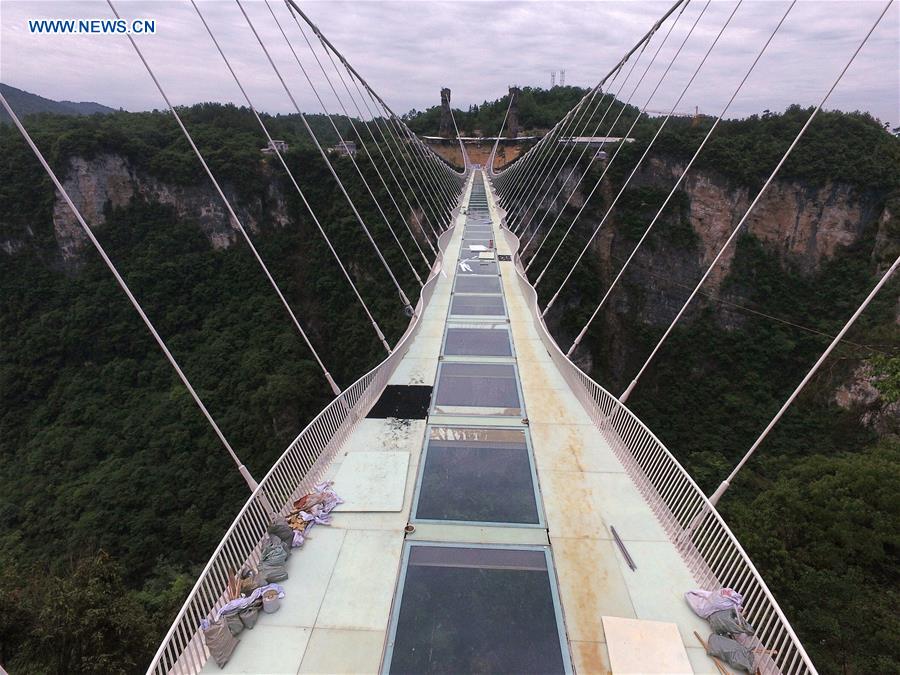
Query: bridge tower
[(446, 130), (513, 124)]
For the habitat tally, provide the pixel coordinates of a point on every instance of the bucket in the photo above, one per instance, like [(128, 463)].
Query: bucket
[(271, 602)]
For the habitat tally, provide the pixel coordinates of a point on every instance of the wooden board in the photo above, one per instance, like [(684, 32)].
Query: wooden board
[(645, 647)]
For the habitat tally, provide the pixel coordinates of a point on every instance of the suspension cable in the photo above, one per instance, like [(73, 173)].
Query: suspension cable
[(622, 144), (362, 144), (713, 500), (787, 153), (532, 176), (374, 95), (602, 142), (387, 138), (366, 150), (609, 164), (234, 218), (557, 151), (569, 143), (499, 134), (312, 213), (352, 159), (462, 148), (418, 167), (244, 471), (380, 152), (618, 116), (403, 298), (646, 37), (584, 150), (681, 177)]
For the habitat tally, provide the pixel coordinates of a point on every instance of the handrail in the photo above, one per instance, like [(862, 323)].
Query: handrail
[(708, 546), (300, 467)]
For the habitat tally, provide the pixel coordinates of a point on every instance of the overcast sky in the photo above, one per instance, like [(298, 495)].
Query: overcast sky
[(409, 50)]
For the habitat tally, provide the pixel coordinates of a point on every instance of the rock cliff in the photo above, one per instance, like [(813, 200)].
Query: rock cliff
[(109, 180)]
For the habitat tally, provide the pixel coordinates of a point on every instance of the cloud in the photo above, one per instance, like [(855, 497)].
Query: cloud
[(408, 50)]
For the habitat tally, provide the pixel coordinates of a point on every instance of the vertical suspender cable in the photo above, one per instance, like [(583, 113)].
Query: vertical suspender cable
[(234, 218), (375, 326), (245, 473), (687, 168), (787, 153)]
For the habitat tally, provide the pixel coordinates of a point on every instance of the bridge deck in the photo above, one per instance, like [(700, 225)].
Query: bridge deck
[(342, 604)]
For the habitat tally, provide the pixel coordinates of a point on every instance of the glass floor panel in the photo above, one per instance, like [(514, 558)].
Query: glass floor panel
[(470, 264), (490, 340), (477, 305), (478, 385), (473, 284), (477, 475), (467, 609)]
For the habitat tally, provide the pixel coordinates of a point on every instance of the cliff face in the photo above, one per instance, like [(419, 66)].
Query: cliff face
[(803, 224), (111, 181)]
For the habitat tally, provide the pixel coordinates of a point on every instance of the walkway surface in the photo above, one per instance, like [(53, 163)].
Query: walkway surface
[(557, 493)]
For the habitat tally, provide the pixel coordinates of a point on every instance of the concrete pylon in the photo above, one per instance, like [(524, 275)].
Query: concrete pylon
[(446, 120), (512, 126)]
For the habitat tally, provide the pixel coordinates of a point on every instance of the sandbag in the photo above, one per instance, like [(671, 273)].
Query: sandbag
[(279, 528), (219, 641), (234, 623), (250, 615), (705, 603), (729, 622), (273, 561), (730, 651)]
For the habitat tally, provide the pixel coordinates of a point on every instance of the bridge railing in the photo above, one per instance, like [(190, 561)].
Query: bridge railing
[(705, 542), (302, 465)]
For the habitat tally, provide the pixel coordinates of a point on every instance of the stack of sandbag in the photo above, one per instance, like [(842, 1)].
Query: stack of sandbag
[(722, 609)]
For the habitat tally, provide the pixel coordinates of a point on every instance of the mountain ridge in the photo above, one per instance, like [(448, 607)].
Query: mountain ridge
[(27, 103)]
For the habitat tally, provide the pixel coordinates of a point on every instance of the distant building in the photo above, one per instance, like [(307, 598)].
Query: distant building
[(280, 146), (345, 149)]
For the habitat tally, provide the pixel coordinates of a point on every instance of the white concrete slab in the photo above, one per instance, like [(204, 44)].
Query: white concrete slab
[(645, 647), (372, 481), (361, 589), (339, 652), (276, 650), (386, 435)]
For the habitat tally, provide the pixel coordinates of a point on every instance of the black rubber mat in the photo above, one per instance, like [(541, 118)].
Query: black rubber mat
[(404, 401)]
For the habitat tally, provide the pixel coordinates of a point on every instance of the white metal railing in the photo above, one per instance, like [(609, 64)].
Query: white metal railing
[(300, 467), (705, 542)]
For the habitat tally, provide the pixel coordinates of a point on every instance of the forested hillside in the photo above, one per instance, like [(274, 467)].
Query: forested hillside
[(113, 490)]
